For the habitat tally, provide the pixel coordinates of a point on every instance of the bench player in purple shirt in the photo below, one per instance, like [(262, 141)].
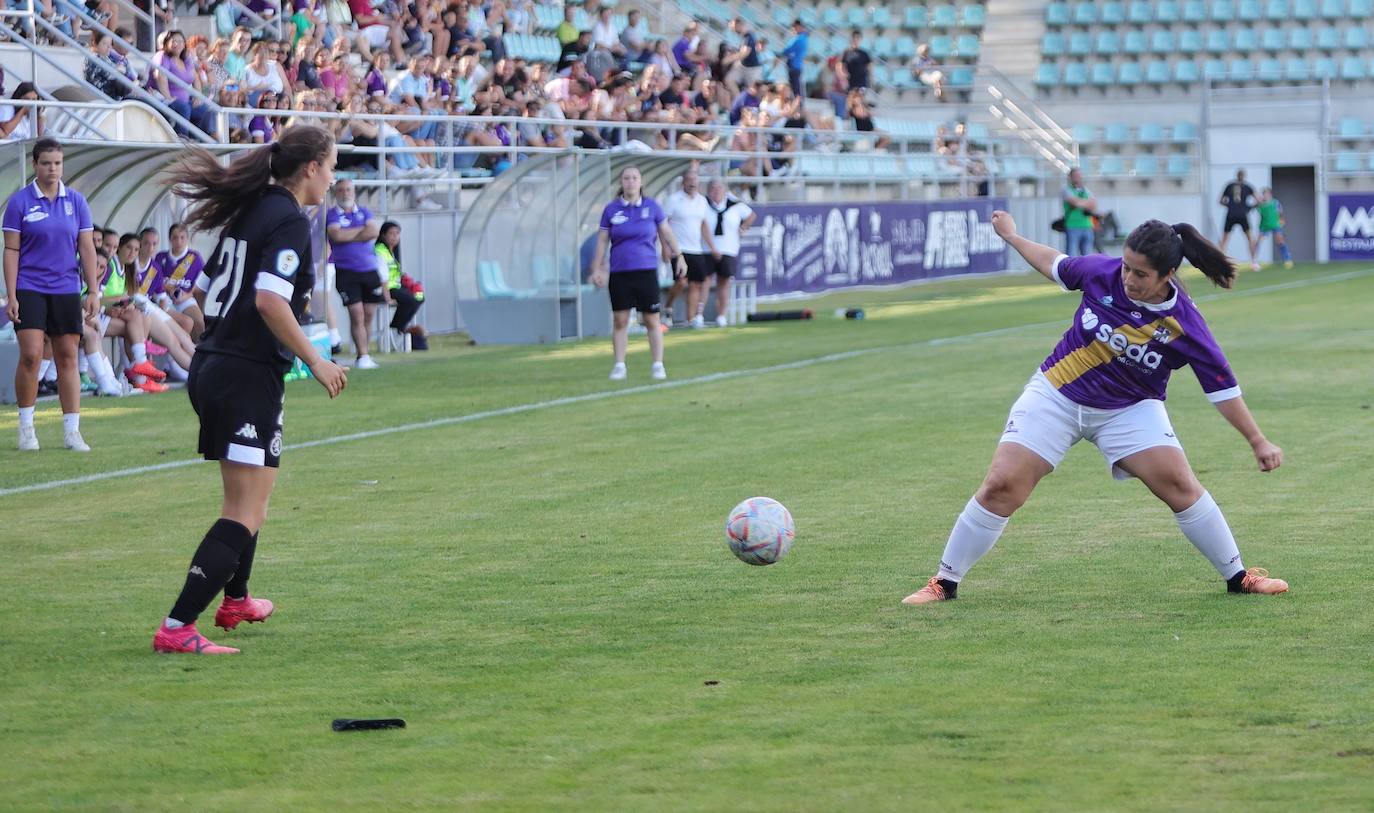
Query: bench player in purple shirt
[(175, 274), (1105, 382), (49, 248), (633, 226)]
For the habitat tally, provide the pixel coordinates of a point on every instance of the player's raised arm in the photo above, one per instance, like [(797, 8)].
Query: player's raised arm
[(1041, 257)]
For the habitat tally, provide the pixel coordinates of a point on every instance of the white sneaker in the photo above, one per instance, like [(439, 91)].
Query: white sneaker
[(618, 371), (366, 363), (109, 388), (721, 321), (657, 372), (665, 318), (28, 439), (698, 322), (74, 441), (1254, 266)]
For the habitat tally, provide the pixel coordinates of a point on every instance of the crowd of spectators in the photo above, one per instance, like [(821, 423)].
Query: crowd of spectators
[(435, 58)]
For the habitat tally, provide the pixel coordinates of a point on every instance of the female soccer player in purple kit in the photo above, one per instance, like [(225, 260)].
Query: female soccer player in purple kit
[(1105, 382)]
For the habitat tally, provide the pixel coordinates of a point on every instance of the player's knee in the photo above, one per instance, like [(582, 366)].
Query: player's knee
[(621, 319), (1180, 489), (1002, 492)]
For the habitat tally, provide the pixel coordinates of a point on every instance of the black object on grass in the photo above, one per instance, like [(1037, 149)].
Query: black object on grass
[(345, 724)]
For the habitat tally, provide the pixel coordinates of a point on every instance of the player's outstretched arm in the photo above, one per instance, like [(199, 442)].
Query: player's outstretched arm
[(1236, 413), (276, 312), (1041, 257)]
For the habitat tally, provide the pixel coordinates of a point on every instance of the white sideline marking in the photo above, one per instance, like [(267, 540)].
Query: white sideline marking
[(684, 382)]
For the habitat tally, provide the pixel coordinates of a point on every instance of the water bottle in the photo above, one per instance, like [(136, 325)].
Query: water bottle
[(849, 313)]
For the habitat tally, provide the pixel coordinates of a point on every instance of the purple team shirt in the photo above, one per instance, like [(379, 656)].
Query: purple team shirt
[(633, 230), (355, 256), (48, 231), (180, 272), (1119, 352)]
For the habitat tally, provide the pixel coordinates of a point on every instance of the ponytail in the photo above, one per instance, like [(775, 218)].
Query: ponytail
[(1166, 247), (219, 193)]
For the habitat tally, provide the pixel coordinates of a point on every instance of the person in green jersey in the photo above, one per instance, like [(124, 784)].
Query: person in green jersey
[(1079, 205), (1271, 223)]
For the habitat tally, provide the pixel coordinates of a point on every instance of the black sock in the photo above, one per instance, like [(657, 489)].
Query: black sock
[(1233, 583), (951, 588), (237, 587), (215, 561)]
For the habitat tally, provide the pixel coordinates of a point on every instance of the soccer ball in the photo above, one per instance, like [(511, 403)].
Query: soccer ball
[(759, 531)]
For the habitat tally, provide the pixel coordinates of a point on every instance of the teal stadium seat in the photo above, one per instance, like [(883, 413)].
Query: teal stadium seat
[(1047, 75), (1166, 11), (1222, 11), (1103, 74), (1355, 38), (1304, 9), (1347, 162), (1085, 13), (1150, 133), (1157, 72), (1214, 70), (1112, 13), (882, 76), (904, 47), (1140, 12), (1179, 166), (1333, 9), (1145, 165), (1352, 69), (1111, 165), (967, 46), (1135, 42), (1190, 41), (1350, 128), (1162, 42), (1246, 40), (1052, 44), (1277, 10), (1130, 74), (1116, 134), (1240, 70), (1056, 14), (974, 16), (1296, 70), (944, 17), (1194, 11), (1183, 132), (1273, 39), (883, 48), (832, 17), (961, 78), (1270, 70), (1300, 39), (1108, 43), (1249, 10), (839, 43), (1186, 72), (783, 16), (857, 17), (917, 18), (807, 14), (1324, 68), (1328, 39), (1080, 43), (1218, 41), (882, 18), (1084, 133), (941, 47)]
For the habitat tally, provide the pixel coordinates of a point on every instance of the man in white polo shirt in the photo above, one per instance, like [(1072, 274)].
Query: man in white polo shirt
[(687, 212)]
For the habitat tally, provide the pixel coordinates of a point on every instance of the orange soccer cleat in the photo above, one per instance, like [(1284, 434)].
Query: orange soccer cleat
[(1257, 580), (932, 592)]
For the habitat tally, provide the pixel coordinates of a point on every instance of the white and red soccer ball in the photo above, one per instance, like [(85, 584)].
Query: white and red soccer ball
[(760, 531)]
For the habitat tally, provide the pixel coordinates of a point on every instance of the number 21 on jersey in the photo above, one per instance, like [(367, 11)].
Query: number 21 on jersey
[(230, 263)]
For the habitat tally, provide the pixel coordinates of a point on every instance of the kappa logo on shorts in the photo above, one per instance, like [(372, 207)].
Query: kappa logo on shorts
[(248, 431), (275, 447), (196, 571), (287, 262)]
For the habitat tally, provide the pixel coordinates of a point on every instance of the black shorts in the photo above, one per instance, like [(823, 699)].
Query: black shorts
[(634, 289), (724, 268), (1236, 220), (54, 314), (698, 266), (240, 404), (358, 286)]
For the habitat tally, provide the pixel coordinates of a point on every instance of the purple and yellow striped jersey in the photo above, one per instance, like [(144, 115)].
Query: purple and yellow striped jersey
[(1119, 352)]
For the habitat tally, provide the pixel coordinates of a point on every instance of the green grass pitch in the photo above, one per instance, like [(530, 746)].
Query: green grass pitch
[(545, 595)]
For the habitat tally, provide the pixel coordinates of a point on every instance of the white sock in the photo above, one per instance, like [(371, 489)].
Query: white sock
[(25, 417), (172, 623), (44, 368), (139, 352), (1206, 528), (82, 365), (71, 422), (177, 373), (975, 532), (334, 337)]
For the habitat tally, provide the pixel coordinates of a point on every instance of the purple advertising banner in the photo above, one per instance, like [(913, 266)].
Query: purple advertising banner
[(1351, 218), (811, 247)]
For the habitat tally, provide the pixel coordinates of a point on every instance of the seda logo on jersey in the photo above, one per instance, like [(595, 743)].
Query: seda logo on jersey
[(1121, 344)]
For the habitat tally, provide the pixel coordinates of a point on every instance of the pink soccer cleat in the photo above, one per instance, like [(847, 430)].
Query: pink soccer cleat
[(234, 610), (147, 370), (154, 349), (187, 639)]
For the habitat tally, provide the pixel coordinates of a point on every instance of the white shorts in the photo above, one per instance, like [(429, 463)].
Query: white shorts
[(376, 35), (1049, 424)]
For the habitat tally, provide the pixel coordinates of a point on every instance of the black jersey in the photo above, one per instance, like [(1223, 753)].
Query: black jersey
[(267, 248)]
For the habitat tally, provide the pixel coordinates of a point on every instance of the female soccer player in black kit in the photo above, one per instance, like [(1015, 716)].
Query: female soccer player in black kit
[(255, 287)]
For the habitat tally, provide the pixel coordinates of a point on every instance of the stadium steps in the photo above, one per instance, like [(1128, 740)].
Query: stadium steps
[(1011, 39)]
